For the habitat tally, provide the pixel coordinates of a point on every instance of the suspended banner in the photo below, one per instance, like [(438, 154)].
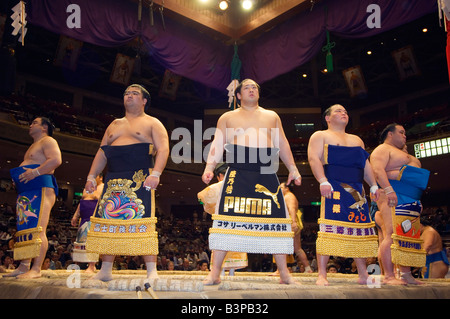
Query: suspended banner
[(355, 81), (406, 63), (122, 70), (67, 53)]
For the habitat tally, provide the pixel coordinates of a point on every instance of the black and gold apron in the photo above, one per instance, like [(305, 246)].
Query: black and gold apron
[(251, 215), (124, 221)]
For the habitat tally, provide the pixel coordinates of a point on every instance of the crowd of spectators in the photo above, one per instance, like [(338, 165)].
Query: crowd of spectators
[(183, 244)]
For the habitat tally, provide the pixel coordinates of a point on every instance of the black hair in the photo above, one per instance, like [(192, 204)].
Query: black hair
[(389, 128), (46, 121), (239, 87), (327, 112), (144, 91), (220, 169)]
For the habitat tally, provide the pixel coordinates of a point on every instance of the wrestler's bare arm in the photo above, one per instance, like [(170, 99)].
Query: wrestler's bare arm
[(369, 175), (379, 160), (160, 140), (52, 155), (98, 164), (315, 155), (217, 148), (315, 159), (428, 240), (286, 153)]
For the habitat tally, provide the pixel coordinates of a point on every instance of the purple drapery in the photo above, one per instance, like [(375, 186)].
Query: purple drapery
[(296, 41), (113, 23), (198, 57)]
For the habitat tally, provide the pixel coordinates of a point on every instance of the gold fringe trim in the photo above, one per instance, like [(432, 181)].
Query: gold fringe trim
[(261, 220), (346, 245), (28, 249), (128, 244), (250, 233), (123, 246), (408, 256)]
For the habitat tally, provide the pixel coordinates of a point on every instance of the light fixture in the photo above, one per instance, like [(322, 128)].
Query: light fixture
[(247, 4), (424, 30), (369, 52), (223, 5)]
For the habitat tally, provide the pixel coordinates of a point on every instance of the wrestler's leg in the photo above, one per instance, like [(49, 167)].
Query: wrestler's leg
[(105, 273), (213, 277), (301, 256), (385, 245), (48, 201), (90, 268), (322, 261), (380, 225), (24, 267), (285, 275), (362, 270), (150, 264), (408, 277)]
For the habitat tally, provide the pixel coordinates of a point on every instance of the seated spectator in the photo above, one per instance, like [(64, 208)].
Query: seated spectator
[(186, 266), (202, 265)]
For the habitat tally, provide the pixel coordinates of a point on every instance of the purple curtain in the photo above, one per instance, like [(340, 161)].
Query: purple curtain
[(113, 23), (296, 41), (191, 54)]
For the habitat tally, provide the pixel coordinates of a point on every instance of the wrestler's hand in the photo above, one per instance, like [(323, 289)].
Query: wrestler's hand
[(28, 175), (326, 189), (294, 175), (294, 227), (207, 177), (90, 187), (392, 199), (151, 182)]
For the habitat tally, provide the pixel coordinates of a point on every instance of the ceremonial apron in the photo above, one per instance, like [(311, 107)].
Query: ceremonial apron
[(251, 215), (406, 249), (79, 254), (209, 197), (31, 196), (124, 221), (345, 226)]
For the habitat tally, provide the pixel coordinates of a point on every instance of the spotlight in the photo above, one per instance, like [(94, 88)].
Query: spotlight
[(223, 5), (247, 4)]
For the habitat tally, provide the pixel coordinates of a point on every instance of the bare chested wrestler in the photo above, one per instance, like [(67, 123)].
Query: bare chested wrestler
[(127, 141), (35, 174), (249, 127), (437, 260), (338, 159), (387, 159)]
